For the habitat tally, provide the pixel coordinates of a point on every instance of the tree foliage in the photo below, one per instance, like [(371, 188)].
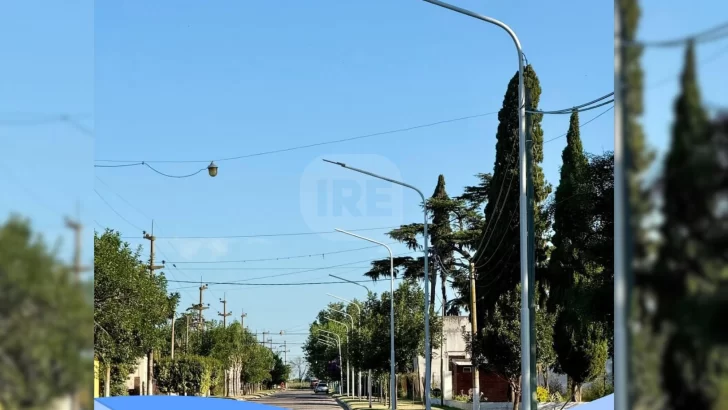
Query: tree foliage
[(44, 312), (130, 305)]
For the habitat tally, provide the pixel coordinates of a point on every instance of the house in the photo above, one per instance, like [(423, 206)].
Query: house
[(136, 382)]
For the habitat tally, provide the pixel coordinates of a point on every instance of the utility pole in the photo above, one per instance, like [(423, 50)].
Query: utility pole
[(224, 313), (243, 315), (173, 340), (442, 359), (199, 307), (187, 335), (77, 229), (473, 336), (152, 268)]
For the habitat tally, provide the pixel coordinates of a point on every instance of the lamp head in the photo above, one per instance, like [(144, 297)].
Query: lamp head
[(212, 169)]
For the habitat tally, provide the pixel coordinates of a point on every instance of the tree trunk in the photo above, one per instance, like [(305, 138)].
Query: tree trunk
[(576, 391), (150, 373), (107, 381)]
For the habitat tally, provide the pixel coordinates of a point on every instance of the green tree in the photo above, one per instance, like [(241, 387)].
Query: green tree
[(646, 344), (280, 372), (44, 312), (692, 255), (497, 260), (501, 336), (130, 305)]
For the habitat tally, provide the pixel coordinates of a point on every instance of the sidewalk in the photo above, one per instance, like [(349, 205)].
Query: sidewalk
[(263, 393)]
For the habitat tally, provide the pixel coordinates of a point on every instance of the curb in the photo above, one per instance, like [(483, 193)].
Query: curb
[(343, 404)]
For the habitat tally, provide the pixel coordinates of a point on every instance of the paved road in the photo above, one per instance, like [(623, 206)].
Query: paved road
[(299, 400)]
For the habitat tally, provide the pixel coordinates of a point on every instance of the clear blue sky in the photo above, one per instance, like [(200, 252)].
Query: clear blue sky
[(186, 80)]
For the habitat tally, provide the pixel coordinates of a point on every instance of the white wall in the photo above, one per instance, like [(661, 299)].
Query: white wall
[(454, 344), (141, 372)]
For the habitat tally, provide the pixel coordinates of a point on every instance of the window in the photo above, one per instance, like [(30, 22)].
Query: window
[(467, 369)]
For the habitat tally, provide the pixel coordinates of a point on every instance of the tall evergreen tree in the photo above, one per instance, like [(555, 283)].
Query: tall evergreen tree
[(441, 237), (645, 344), (690, 266), (580, 339), (497, 259)]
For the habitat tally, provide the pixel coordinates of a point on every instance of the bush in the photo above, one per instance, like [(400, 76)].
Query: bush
[(542, 394), (187, 374), (597, 390), (462, 397)]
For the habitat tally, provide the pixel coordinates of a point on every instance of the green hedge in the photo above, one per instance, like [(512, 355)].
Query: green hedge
[(187, 375)]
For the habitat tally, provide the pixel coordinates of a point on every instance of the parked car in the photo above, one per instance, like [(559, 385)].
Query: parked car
[(322, 388)]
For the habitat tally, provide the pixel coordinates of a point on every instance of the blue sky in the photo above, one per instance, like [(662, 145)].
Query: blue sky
[(185, 80)]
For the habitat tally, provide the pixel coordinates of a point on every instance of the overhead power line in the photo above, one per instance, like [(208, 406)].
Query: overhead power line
[(267, 235), (715, 33), (272, 284), (282, 258)]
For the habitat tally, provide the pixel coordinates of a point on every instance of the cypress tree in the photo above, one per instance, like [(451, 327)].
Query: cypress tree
[(690, 265), (579, 338), (498, 255)]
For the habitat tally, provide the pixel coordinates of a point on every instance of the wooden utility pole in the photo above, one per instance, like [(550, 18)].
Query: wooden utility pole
[(224, 313), (152, 268), (473, 336)]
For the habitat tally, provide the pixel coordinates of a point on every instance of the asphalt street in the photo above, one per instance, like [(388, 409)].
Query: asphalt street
[(299, 400)]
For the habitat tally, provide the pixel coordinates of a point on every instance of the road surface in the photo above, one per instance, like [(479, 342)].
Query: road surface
[(299, 400)]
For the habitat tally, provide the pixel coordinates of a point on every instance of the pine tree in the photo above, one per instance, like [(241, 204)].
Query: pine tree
[(441, 238)]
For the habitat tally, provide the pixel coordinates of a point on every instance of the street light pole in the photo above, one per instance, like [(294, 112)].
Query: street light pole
[(358, 309), (341, 364), (528, 385), (348, 356), (392, 375), (353, 369), (352, 282)]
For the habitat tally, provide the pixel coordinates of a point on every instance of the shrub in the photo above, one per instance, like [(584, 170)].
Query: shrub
[(597, 390), (187, 374), (462, 397), (542, 394)]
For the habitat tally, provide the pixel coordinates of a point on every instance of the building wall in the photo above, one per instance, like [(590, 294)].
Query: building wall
[(493, 387), (97, 369), (454, 345), (140, 371)]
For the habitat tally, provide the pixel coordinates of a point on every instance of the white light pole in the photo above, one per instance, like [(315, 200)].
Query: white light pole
[(328, 342), (348, 357), (358, 309), (426, 250), (527, 389), (341, 363), (353, 369), (392, 375), (352, 282)]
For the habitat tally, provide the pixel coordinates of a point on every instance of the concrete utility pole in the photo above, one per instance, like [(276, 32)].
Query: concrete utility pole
[(224, 313), (78, 268), (187, 335), (199, 307), (172, 352), (243, 315), (473, 336), (152, 268)]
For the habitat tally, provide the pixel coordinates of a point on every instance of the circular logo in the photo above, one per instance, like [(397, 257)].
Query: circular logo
[(336, 197)]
